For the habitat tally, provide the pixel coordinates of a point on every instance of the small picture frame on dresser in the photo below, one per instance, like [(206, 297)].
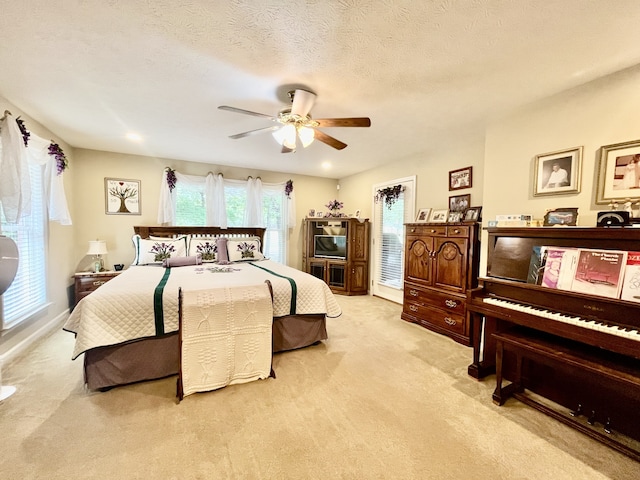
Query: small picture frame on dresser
[(423, 215), (454, 217), (439, 216)]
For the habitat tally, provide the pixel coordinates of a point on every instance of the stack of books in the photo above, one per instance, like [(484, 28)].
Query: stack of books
[(606, 273)]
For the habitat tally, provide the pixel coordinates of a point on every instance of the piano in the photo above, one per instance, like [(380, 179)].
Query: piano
[(573, 356)]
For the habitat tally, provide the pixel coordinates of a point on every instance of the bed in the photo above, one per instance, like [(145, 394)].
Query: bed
[(127, 329)]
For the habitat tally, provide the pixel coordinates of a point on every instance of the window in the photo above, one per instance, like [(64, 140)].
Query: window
[(388, 232), (191, 208), (28, 292)]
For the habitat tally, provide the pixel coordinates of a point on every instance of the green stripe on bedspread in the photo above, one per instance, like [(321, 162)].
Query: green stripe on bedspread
[(158, 311), (294, 287)]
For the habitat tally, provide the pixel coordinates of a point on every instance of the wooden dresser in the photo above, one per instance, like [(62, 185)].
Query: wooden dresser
[(441, 264), (87, 282)]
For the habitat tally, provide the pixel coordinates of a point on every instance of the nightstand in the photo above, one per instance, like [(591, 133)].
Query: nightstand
[(87, 282)]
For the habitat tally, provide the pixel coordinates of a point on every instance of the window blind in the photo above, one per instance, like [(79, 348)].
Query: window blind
[(390, 224), (28, 292)]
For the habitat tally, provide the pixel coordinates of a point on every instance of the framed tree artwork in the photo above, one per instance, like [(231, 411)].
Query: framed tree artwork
[(122, 197)]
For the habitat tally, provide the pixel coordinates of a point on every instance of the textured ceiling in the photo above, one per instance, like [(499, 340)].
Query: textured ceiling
[(425, 72)]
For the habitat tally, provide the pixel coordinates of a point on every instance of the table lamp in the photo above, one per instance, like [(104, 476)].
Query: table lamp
[(97, 248)]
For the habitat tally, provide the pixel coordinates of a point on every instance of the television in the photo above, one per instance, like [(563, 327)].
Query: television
[(330, 246)]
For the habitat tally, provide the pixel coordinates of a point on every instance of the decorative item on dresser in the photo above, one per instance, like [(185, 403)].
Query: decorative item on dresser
[(337, 251), (441, 265), (87, 282)]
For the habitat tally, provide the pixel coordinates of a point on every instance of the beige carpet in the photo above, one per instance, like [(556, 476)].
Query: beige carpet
[(381, 399)]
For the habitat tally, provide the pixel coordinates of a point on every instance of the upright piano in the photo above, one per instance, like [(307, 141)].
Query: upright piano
[(571, 355)]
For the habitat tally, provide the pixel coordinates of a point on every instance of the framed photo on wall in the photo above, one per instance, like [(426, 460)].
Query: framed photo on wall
[(459, 203), (460, 178), (619, 172), (122, 197), (558, 172)]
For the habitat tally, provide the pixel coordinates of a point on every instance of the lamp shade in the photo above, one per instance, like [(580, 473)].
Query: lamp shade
[(97, 247)]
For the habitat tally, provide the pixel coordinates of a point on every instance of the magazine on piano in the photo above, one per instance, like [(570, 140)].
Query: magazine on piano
[(560, 267), (600, 272), (631, 283)]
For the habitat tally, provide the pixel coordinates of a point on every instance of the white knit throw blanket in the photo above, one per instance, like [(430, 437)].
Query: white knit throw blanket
[(225, 337)]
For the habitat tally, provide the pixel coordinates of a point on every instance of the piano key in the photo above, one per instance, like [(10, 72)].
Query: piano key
[(564, 318)]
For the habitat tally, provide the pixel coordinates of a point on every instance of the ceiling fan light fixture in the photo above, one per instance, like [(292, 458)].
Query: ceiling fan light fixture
[(286, 136), (306, 135)]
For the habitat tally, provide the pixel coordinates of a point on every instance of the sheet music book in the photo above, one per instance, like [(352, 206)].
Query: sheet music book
[(631, 283), (600, 272), (560, 267)]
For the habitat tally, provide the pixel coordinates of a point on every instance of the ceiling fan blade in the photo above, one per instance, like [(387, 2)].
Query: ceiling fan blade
[(302, 102), (254, 132), (247, 112), (287, 149), (344, 122), (332, 142)]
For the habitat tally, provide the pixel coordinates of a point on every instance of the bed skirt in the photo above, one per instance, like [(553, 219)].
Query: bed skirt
[(159, 357)]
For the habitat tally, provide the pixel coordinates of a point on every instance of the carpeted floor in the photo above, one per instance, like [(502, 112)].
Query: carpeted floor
[(380, 399)]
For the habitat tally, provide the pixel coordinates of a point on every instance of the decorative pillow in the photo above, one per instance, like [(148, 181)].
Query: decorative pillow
[(206, 248), (223, 255), (244, 250), (155, 251), (182, 261)]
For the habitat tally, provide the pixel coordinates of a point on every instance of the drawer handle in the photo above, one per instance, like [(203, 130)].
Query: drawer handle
[(413, 308), (97, 283), (456, 231), (413, 230), (433, 231), (451, 303), (449, 321), (413, 293)]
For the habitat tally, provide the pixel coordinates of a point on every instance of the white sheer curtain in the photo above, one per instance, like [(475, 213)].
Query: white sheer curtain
[(213, 186), (215, 201), (216, 204), (15, 184), (253, 212)]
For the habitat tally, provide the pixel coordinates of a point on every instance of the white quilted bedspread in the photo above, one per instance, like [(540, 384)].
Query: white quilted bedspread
[(123, 308)]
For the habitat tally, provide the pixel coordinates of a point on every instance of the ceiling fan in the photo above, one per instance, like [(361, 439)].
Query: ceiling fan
[(295, 124)]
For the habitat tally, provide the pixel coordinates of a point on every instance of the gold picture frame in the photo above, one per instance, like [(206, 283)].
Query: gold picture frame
[(122, 196), (616, 181), (558, 172)]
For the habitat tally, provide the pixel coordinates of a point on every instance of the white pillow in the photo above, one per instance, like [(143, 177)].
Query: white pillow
[(206, 247), (155, 251), (244, 250)]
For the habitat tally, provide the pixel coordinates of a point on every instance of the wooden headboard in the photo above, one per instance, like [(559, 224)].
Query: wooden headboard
[(210, 232)]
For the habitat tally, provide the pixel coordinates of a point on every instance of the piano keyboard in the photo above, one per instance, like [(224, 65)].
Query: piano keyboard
[(577, 321)]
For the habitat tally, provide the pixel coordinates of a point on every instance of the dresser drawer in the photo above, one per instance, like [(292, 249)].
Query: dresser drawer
[(458, 231), (89, 284), (427, 230), (429, 316), (442, 300)]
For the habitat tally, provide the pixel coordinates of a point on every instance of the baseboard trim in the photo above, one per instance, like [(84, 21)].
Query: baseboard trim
[(32, 335)]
